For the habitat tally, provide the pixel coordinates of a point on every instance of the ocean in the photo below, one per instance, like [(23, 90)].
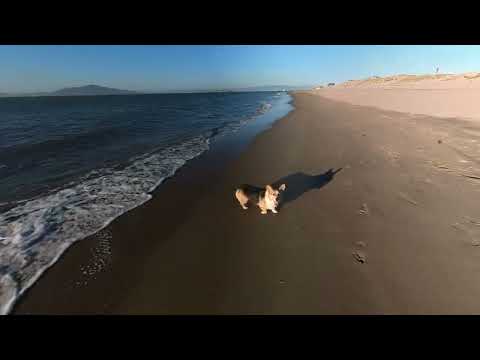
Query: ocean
[(70, 165)]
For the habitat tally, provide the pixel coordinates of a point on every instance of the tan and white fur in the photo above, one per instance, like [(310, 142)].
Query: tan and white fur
[(266, 199)]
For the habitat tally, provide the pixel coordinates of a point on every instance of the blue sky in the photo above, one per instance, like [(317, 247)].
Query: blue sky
[(167, 68)]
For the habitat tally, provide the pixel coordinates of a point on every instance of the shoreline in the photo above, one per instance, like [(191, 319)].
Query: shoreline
[(391, 232), (221, 149)]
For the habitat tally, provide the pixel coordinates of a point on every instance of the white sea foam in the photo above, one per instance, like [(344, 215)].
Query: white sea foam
[(35, 232)]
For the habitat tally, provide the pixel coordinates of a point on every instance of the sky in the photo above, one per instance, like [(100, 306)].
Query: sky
[(172, 68)]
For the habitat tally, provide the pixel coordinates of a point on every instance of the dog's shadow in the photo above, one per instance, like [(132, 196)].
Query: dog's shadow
[(299, 183)]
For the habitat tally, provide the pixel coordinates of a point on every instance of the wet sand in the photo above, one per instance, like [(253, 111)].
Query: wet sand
[(393, 228)]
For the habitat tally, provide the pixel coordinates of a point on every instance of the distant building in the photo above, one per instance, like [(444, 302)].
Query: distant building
[(331, 84)]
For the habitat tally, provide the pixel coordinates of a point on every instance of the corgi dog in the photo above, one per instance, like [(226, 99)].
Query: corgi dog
[(265, 198)]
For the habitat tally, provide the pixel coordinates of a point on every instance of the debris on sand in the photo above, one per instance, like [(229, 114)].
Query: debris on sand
[(439, 141), (360, 257), (364, 210), (360, 244)]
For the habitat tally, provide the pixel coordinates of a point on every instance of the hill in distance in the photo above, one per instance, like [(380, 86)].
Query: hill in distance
[(96, 90), (425, 81), (90, 90)]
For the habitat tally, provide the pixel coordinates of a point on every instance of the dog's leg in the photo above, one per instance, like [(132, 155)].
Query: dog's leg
[(241, 199), (263, 209), (274, 211)]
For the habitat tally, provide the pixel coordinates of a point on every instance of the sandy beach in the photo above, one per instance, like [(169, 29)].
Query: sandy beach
[(440, 95), (380, 216)]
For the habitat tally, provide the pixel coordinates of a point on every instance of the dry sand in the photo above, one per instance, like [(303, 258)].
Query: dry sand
[(395, 231), (440, 95)]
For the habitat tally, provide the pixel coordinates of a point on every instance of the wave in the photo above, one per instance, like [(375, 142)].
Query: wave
[(51, 145), (34, 233)]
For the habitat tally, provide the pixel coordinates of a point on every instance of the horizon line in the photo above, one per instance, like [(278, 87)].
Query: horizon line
[(148, 91)]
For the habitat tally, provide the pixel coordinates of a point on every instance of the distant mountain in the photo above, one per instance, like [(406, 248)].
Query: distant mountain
[(75, 91), (90, 90), (95, 90)]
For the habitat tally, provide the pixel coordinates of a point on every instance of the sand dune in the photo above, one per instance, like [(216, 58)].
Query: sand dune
[(442, 95), (429, 81)]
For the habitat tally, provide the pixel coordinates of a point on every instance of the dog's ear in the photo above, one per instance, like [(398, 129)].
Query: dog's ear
[(269, 189), (282, 187)]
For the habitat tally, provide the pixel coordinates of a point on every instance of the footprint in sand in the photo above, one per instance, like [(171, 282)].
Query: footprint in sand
[(469, 227), (470, 173), (360, 256), (441, 166), (100, 257), (364, 210), (391, 155)]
